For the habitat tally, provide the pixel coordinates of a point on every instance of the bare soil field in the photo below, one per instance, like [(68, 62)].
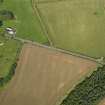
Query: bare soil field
[(43, 76)]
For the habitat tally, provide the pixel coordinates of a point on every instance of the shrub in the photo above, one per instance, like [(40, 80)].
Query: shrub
[(6, 15)]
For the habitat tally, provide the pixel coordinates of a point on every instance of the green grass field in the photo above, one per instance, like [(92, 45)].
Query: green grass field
[(27, 26), (76, 25), (26, 23), (8, 54)]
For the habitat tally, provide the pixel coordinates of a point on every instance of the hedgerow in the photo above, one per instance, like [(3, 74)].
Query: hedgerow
[(88, 92), (8, 77)]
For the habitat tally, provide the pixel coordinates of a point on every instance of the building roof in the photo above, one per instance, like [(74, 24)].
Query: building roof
[(10, 31)]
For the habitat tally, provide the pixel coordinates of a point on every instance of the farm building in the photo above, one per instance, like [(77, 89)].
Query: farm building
[(10, 32)]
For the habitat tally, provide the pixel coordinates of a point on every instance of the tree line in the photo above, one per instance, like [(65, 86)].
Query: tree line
[(8, 77), (90, 91)]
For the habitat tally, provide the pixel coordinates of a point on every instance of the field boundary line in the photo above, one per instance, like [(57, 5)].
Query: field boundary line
[(60, 50), (54, 1), (36, 11), (47, 26), (47, 1)]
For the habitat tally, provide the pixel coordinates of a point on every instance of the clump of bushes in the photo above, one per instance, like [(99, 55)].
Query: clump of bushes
[(6, 15), (88, 92)]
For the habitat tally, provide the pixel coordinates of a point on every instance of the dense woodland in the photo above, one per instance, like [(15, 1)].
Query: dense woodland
[(88, 92)]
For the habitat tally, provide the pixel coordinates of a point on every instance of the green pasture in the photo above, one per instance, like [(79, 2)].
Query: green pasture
[(27, 26), (76, 25), (26, 22), (9, 50)]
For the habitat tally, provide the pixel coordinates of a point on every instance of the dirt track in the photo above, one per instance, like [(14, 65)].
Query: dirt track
[(43, 76)]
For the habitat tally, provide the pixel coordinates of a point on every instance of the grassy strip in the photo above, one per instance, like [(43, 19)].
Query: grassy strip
[(88, 92)]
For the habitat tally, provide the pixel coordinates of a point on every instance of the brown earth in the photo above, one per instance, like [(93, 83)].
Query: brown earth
[(43, 76), (102, 102)]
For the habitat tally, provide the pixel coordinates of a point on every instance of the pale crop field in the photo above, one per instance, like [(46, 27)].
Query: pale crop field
[(43, 76), (102, 102)]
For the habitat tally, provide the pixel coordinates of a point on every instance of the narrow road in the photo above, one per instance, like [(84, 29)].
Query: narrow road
[(60, 50)]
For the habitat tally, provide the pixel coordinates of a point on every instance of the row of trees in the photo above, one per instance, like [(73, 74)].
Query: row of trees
[(89, 91), (8, 77), (6, 15)]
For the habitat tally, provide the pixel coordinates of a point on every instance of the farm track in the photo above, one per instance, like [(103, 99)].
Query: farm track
[(36, 11), (59, 50), (55, 1), (48, 1)]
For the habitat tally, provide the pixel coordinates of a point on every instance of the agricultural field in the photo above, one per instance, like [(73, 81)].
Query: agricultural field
[(26, 23), (9, 50), (43, 76), (76, 25), (102, 102)]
